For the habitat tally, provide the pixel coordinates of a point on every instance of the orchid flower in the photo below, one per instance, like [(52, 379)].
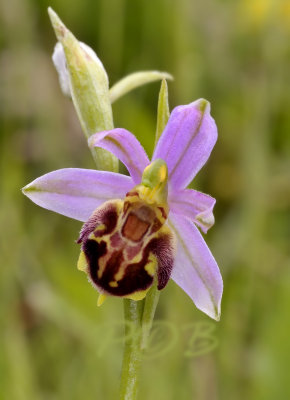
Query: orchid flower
[(143, 227)]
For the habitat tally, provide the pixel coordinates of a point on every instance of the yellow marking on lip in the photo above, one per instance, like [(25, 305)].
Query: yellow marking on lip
[(113, 284), (102, 263), (159, 215), (137, 295), (100, 227), (121, 272), (138, 256), (102, 297), (92, 236), (150, 267), (82, 264)]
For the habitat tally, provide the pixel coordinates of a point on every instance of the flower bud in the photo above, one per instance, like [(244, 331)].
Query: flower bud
[(87, 82)]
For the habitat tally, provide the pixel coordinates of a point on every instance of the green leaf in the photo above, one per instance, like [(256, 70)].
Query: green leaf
[(135, 80), (162, 110)]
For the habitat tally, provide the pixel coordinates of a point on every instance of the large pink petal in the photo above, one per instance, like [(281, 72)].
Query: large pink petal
[(195, 205), (187, 142), (195, 270), (124, 145), (75, 192)]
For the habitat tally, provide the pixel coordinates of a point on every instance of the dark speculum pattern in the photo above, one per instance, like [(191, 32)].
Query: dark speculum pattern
[(120, 275), (135, 278), (134, 228)]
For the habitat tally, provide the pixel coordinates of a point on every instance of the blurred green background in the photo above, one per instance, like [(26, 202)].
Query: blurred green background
[(55, 342)]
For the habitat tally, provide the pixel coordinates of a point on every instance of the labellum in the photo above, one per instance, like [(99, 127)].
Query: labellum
[(125, 243)]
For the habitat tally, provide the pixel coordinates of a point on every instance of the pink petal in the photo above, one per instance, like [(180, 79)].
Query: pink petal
[(124, 145), (187, 142), (75, 192), (195, 270), (195, 205)]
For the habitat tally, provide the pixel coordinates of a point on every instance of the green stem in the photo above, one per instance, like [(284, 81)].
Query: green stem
[(150, 306), (139, 317), (133, 311)]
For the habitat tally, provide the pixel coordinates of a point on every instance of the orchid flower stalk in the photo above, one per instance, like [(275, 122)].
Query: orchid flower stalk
[(140, 230)]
